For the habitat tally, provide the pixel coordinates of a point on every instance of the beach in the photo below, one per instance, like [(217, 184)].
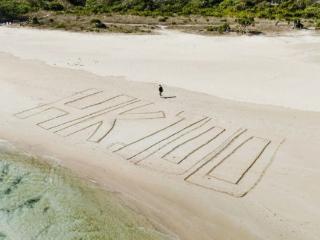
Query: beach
[(231, 152), (273, 68)]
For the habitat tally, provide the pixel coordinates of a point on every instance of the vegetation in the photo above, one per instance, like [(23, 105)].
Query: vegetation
[(98, 23), (245, 21), (225, 27), (244, 11), (13, 9), (271, 9)]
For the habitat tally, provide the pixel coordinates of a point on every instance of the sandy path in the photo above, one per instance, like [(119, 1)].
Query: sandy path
[(280, 190), (281, 71)]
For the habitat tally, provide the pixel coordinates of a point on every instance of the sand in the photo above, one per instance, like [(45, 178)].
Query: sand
[(200, 166), (259, 69)]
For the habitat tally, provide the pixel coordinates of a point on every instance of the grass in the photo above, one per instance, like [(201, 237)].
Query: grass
[(151, 12), (97, 23)]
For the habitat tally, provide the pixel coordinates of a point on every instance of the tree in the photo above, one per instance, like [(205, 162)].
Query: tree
[(11, 10), (78, 2)]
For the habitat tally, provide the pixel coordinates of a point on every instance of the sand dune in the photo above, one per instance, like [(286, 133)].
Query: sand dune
[(200, 166)]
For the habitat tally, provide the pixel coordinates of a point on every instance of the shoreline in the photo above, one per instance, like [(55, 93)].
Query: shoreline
[(116, 217), (187, 210)]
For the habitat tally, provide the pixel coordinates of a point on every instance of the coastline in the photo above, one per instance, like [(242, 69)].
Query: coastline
[(58, 204), (183, 208)]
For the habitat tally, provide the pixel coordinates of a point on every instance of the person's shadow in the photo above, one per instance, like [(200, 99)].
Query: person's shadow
[(166, 97)]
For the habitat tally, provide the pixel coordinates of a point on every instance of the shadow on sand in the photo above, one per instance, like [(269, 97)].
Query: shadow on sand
[(166, 97)]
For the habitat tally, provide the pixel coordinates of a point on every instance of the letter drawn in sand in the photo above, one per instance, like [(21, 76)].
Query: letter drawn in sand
[(196, 149), (88, 109), (236, 168)]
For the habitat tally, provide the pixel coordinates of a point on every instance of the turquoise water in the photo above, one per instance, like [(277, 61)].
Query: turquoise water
[(41, 201)]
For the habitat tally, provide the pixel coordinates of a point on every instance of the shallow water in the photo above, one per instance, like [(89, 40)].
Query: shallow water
[(41, 201)]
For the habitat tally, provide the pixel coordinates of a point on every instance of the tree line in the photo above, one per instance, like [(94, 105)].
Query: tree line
[(268, 9)]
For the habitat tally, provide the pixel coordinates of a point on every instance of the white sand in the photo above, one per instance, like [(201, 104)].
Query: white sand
[(281, 71), (192, 199)]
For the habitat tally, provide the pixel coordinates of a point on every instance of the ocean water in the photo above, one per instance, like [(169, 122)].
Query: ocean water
[(42, 201)]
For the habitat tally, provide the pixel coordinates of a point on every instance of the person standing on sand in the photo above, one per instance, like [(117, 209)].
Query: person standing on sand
[(160, 90)]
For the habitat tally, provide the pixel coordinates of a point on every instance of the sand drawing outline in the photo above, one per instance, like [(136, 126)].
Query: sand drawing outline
[(217, 151), (167, 137), (185, 167), (95, 114), (57, 101), (151, 134), (90, 116), (196, 148), (84, 119), (102, 102), (199, 147), (182, 135), (129, 112), (266, 168), (253, 185), (242, 185), (232, 152), (80, 98)]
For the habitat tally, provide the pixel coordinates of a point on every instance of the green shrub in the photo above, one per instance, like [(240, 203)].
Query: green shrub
[(312, 12), (35, 21), (13, 10), (55, 6), (245, 20), (61, 26), (95, 20), (240, 9), (98, 23), (210, 28), (163, 19), (224, 28), (101, 25), (78, 2)]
